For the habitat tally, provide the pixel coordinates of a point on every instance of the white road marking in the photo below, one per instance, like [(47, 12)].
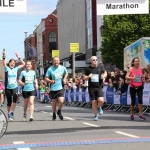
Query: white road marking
[(21, 142), (68, 118), (18, 142), (93, 125), (36, 109), (126, 134), (48, 106), (44, 112)]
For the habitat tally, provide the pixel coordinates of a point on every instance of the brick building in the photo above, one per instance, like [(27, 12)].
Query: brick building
[(30, 40), (50, 37)]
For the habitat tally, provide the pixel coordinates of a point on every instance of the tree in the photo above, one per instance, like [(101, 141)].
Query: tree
[(120, 31)]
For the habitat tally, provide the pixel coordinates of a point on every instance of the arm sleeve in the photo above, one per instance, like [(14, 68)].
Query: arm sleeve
[(6, 69), (34, 75), (65, 70), (21, 75), (48, 73), (17, 68), (86, 72), (102, 68)]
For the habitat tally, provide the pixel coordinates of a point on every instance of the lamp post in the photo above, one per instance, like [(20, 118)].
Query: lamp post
[(25, 45)]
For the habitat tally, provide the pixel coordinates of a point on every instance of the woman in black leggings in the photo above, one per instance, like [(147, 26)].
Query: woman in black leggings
[(11, 85), (136, 77)]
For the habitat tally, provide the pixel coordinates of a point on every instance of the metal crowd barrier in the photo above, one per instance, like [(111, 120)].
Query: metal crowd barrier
[(113, 101)]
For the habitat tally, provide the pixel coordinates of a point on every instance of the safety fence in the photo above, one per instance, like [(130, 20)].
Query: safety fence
[(113, 101)]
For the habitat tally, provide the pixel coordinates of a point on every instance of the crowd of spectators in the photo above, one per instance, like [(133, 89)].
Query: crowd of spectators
[(115, 78)]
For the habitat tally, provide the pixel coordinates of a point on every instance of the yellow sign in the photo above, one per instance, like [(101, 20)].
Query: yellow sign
[(55, 53), (74, 47)]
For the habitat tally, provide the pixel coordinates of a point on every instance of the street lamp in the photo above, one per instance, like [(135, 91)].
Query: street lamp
[(25, 44)]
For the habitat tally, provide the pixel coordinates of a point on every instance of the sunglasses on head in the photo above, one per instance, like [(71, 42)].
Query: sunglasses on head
[(94, 60)]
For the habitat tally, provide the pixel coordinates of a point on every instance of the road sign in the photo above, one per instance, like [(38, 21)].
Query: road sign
[(55, 53), (117, 7), (13, 6), (74, 47)]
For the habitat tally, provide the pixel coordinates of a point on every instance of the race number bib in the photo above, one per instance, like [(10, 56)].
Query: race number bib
[(137, 78), (28, 79), (58, 75), (95, 78), (12, 81)]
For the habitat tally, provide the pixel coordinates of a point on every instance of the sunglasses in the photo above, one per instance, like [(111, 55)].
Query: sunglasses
[(94, 60)]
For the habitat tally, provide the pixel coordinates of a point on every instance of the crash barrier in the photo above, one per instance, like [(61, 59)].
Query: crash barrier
[(113, 101)]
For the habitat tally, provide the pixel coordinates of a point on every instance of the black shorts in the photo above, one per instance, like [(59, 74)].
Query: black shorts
[(56, 94), (28, 94), (95, 93)]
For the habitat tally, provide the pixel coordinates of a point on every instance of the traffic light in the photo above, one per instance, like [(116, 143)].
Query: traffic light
[(70, 61)]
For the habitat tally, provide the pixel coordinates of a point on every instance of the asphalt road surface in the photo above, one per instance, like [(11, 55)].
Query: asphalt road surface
[(78, 131)]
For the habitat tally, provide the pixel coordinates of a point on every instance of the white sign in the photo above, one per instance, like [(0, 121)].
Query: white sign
[(116, 7), (13, 6)]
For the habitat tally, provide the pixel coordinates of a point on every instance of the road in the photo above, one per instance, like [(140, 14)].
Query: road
[(112, 131)]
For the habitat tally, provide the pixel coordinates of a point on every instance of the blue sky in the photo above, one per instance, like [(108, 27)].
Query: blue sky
[(12, 25)]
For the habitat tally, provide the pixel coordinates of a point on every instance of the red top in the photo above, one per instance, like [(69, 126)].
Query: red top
[(138, 74)]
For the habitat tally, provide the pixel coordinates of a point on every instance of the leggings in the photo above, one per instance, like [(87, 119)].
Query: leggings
[(139, 93), (11, 93)]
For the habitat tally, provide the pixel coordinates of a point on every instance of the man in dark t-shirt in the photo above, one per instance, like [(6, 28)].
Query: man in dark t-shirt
[(95, 74)]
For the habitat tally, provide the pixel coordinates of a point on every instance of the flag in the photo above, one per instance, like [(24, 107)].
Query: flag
[(32, 51)]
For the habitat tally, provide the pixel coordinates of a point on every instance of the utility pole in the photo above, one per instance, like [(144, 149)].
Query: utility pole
[(25, 43), (73, 55)]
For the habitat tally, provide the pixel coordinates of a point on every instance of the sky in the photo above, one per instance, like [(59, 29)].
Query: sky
[(13, 25)]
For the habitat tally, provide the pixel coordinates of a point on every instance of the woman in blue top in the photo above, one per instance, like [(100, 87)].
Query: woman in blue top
[(28, 80), (11, 86)]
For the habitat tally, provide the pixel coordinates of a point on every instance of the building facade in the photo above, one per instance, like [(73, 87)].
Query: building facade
[(71, 26), (49, 37), (78, 23)]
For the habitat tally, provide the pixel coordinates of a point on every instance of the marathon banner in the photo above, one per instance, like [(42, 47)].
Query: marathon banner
[(110, 96)]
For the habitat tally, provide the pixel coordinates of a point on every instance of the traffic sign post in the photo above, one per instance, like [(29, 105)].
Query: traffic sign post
[(55, 53), (74, 48)]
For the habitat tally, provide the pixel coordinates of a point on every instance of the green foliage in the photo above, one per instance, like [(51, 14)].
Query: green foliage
[(120, 31)]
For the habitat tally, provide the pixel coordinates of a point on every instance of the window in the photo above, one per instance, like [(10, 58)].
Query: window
[(52, 37), (89, 23), (43, 39)]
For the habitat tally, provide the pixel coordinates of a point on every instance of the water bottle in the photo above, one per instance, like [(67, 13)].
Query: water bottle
[(16, 54)]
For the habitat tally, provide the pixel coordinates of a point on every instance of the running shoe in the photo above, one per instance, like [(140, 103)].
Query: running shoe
[(31, 118), (132, 117), (24, 117), (96, 118), (11, 116), (54, 117), (141, 117), (100, 110), (60, 115)]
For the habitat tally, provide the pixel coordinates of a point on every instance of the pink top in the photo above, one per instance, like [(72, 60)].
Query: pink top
[(138, 80)]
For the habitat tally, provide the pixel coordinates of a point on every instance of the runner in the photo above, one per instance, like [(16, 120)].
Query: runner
[(94, 75), (11, 87), (135, 76), (56, 75), (28, 81), (1, 93)]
